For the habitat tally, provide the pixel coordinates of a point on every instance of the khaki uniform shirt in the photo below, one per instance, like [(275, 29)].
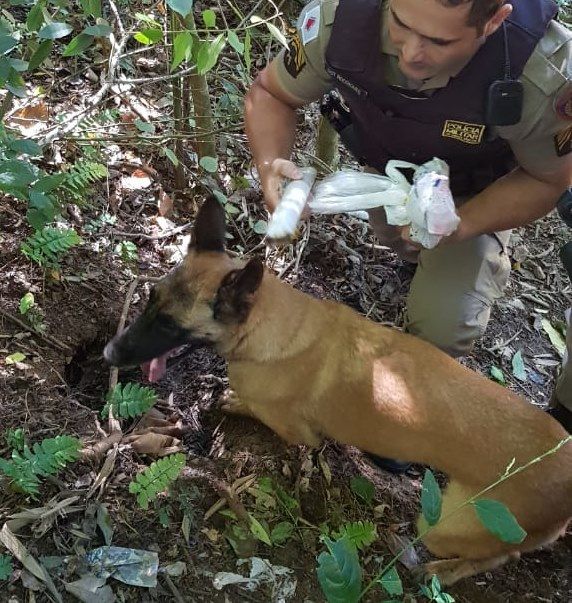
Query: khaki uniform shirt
[(544, 133)]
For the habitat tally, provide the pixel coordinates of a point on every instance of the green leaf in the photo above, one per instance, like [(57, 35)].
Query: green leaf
[(208, 54), (144, 126), (363, 488), (258, 530), (391, 582), (183, 7), (234, 41), (182, 47), (171, 156), (35, 17), (54, 30), (497, 375), (129, 401), (339, 572), (7, 43), (260, 227), (78, 44), (149, 36), (5, 69), (209, 164), (47, 246), (26, 302), (431, 499), (498, 520), (281, 532), (16, 174), (101, 30), (360, 533), (19, 65), (518, 368), (209, 18), (41, 54), (16, 357), (157, 478), (276, 33), (25, 147), (6, 568), (555, 337), (91, 8), (47, 184)]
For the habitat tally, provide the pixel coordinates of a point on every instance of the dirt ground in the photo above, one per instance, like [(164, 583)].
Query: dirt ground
[(60, 389)]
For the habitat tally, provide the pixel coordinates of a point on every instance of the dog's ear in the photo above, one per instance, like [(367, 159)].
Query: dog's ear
[(234, 297), (209, 230)]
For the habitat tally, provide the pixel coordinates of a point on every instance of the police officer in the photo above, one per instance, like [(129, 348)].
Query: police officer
[(482, 84)]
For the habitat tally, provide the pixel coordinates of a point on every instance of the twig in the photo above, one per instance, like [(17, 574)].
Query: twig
[(503, 344), (47, 338), (155, 237), (173, 589), (158, 78)]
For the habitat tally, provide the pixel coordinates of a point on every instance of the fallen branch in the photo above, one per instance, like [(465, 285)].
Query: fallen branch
[(47, 338)]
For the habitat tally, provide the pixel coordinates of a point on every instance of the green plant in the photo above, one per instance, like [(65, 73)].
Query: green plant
[(434, 592), (363, 489), (15, 438), (129, 401), (156, 478), (31, 312), (339, 571), (6, 568), (78, 181), (46, 247), (127, 251), (360, 533), (45, 458)]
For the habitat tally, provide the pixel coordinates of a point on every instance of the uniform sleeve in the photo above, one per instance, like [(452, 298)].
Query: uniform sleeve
[(542, 141), (301, 69)]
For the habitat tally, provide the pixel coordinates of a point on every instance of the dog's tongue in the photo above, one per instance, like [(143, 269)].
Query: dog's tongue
[(155, 369)]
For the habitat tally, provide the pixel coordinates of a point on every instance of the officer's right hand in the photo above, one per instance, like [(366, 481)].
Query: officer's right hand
[(272, 175)]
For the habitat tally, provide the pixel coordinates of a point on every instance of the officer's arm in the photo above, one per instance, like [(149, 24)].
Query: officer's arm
[(270, 122), (517, 199)]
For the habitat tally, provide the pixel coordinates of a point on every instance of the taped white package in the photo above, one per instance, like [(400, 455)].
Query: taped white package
[(427, 204)]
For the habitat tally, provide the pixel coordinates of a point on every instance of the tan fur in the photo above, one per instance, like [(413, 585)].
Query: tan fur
[(312, 369)]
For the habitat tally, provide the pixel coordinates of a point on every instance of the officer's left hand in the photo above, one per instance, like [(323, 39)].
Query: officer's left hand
[(405, 236)]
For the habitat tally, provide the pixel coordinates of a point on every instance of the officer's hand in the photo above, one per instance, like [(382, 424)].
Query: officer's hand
[(272, 177)]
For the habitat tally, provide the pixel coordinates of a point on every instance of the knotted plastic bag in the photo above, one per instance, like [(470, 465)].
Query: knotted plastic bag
[(426, 204)]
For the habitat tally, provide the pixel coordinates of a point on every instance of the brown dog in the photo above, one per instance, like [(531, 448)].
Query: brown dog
[(311, 369)]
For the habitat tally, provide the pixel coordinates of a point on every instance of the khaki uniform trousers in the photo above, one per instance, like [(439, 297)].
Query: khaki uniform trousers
[(453, 289)]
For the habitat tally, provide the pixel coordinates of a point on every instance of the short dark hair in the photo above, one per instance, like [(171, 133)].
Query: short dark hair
[(481, 10)]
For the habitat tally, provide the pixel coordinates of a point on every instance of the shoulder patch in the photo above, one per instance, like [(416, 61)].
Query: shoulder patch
[(563, 142), (310, 27), (563, 103), (294, 57)]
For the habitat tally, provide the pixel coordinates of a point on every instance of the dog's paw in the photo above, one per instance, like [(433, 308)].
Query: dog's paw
[(231, 404)]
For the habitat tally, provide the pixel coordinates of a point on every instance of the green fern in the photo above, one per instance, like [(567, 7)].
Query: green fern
[(130, 401), (95, 122), (156, 478), (47, 246), (45, 458), (6, 568), (361, 533), (79, 179)]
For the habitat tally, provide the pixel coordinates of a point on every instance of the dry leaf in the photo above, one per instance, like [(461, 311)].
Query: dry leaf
[(154, 444), (165, 204)]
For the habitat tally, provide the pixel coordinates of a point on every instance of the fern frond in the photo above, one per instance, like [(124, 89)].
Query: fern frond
[(95, 122), (6, 568), (130, 401), (361, 533), (47, 246), (157, 478), (80, 178), (45, 458), (52, 454)]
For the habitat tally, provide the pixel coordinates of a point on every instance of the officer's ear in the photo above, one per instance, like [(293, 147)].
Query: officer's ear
[(503, 12)]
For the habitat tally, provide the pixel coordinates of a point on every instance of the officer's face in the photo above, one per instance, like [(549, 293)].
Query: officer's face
[(433, 38)]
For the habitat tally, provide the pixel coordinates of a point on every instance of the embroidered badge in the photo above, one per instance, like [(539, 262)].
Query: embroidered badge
[(464, 132), (311, 25), (563, 142), (295, 57), (563, 104)]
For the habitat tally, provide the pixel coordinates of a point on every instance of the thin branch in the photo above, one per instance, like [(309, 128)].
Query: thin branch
[(47, 338)]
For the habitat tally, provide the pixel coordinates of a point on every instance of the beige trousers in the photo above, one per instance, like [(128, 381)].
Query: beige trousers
[(453, 289)]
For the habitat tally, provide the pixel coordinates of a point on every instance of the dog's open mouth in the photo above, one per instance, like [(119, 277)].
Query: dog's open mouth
[(155, 369)]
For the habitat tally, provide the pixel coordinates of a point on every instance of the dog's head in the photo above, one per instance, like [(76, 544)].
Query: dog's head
[(202, 302)]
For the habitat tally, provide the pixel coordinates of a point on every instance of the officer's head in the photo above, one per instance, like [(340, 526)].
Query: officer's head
[(436, 37)]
